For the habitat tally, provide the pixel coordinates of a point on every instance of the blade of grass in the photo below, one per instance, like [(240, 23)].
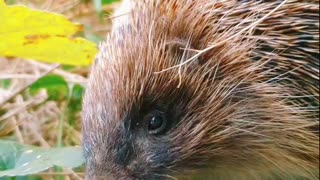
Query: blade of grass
[(60, 131)]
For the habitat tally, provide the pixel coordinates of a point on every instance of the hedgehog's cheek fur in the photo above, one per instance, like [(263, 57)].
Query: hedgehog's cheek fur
[(125, 158)]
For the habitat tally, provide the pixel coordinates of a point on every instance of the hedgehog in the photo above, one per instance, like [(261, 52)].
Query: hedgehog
[(205, 89)]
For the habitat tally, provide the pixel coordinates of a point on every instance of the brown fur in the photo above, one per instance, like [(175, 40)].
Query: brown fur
[(238, 78)]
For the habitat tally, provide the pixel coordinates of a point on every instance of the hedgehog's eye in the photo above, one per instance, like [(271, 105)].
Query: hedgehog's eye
[(157, 122)]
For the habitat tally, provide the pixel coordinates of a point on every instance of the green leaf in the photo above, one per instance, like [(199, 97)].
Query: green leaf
[(55, 85), (108, 1), (75, 103), (5, 83), (19, 160)]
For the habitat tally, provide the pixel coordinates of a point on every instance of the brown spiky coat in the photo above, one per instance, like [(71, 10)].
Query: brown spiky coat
[(238, 80)]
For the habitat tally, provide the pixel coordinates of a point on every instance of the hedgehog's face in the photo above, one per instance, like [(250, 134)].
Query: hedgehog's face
[(134, 140), (133, 119), (142, 124), (139, 124)]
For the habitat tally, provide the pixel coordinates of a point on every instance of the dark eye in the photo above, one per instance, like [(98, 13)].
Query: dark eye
[(157, 122)]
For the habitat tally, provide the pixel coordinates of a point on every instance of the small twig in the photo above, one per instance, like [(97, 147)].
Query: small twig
[(59, 173), (68, 76), (74, 80), (19, 109), (47, 5), (38, 136), (27, 85), (17, 76), (68, 6), (17, 131)]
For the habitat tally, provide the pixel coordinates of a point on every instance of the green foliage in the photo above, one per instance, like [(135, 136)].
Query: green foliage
[(108, 1), (75, 103), (18, 160), (55, 85), (5, 83), (99, 3), (21, 178)]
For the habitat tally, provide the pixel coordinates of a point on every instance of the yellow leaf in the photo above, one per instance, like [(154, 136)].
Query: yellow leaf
[(42, 36)]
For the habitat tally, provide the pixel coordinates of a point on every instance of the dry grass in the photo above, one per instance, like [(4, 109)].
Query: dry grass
[(34, 119)]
